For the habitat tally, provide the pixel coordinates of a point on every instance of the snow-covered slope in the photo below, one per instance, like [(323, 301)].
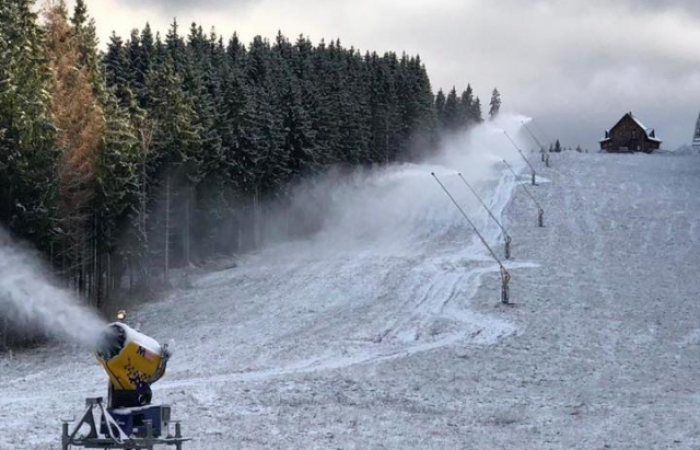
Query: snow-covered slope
[(386, 330)]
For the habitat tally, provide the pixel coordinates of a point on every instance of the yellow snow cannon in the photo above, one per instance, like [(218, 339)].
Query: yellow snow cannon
[(133, 362)]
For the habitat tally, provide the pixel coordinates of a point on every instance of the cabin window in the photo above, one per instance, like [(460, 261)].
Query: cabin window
[(634, 134)]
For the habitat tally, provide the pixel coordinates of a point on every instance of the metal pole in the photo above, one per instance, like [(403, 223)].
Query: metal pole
[(65, 438), (533, 137), (521, 154), (540, 211), (505, 276), (542, 131), (505, 233), (178, 436)]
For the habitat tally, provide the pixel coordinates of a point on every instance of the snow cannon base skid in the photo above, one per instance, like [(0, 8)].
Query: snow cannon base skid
[(139, 428)]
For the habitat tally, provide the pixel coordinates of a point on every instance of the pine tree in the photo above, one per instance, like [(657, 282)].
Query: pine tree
[(440, 101), (495, 104), (175, 159), (27, 155), (451, 112), (424, 126), (265, 119), (85, 32), (466, 107), (117, 171), (117, 73), (476, 112), (80, 123)]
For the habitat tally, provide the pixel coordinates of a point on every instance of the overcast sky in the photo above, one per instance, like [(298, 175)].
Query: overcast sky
[(575, 66)]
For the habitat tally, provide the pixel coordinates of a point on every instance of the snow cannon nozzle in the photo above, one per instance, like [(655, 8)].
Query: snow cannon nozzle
[(111, 342), (133, 362)]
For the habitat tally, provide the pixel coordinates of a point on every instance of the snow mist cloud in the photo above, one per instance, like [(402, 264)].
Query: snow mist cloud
[(394, 208), (31, 300)]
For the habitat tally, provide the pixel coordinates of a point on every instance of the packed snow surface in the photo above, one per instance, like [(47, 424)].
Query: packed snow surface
[(386, 330)]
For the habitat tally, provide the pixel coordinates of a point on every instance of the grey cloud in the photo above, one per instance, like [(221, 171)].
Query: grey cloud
[(177, 7), (690, 6)]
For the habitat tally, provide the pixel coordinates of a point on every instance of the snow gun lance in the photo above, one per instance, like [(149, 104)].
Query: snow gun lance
[(545, 155), (505, 275), (133, 362), (506, 236), (540, 211), (534, 174)]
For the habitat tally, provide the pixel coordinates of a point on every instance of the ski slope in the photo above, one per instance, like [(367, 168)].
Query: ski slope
[(386, 330)]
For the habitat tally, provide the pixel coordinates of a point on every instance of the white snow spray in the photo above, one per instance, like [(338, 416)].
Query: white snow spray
[(395, 206), (31, 300)]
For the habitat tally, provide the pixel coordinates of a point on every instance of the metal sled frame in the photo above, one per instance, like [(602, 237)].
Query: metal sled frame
[(110, 441)]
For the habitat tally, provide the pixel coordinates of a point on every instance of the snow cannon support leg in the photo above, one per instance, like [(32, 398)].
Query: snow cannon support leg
[(505, 290), (508, 240), (540, 217), (178, 436)]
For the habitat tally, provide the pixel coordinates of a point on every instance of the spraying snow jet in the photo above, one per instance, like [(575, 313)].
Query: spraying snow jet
[(31, 301), (394, 207)]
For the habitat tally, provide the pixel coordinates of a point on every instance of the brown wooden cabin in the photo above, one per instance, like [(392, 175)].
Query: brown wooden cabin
[(630, 135)]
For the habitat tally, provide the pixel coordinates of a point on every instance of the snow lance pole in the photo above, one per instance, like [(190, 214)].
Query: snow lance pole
[(534, 174), (540, 211), (545, 155), (505, 275), (506, 236), (546, 136)]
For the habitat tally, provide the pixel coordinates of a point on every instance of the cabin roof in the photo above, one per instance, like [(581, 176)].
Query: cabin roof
[(647, 130)]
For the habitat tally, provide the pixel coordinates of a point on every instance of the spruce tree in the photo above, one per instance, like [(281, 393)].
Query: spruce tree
[(495, 104), (451, 113), (27, 155), (117, 171), (476, 111), (85, 32), (466, 107), (80, 122), (440, 101)]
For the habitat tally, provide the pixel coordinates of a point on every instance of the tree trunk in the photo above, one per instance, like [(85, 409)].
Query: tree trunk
[(166, 262), (256, 224), (186, 234)]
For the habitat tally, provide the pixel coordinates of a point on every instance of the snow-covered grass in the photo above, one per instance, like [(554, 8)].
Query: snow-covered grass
[(397, 339)]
